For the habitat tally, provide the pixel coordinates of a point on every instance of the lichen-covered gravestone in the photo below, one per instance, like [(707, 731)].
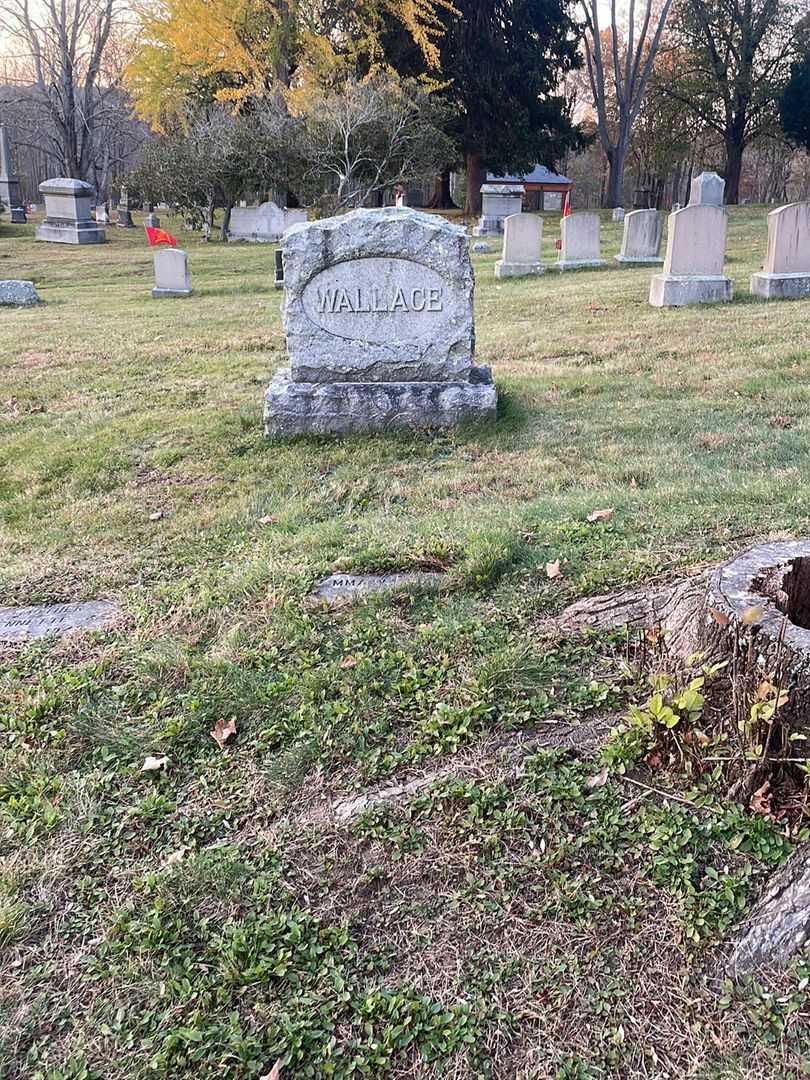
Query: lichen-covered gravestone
[(641, 241), (693, 267), (378, 315), (785, 274)]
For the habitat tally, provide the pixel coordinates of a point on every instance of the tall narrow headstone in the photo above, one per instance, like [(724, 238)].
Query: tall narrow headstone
[(68, 203), (707, 190), (378, 317), (498, 202), (579, 244), (124, 214), (522, 241), (786, 272), (171, 273), (641, 240), (696, 252), (102, 217), (9, 185)]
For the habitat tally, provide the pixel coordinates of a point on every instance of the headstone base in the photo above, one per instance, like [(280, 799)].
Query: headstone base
[(578, 264), (781, 286), (18, 216), (70, 232), (15, 293), (298, 408), (511, 269), (161, 294), (488, 227), (646, 260), (674, 290)]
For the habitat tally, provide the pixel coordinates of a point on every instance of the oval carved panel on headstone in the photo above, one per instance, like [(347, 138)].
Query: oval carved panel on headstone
[(379, 300)]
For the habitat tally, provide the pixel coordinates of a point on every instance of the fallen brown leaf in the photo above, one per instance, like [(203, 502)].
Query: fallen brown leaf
[(761, 801), (348, 662), (597, 781), (719, 617), (268, 519), (600, 515), (553, 569), (222, 731)]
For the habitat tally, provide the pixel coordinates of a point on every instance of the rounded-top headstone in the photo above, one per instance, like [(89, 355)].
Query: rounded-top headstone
[(707, 190), (378, 296)]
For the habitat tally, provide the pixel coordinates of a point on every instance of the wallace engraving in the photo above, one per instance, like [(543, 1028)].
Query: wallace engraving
[(377, 300)]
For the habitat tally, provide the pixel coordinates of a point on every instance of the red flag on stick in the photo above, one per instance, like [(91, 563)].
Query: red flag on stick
[(159, 236)]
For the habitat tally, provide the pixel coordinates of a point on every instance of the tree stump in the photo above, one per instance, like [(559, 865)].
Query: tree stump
[(754, 613)]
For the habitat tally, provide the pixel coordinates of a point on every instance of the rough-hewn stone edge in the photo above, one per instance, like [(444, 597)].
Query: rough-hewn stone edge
[(161, 294), (641, 260), (348, 408), (579, 264), (781, 286), (516, 269), (681, 290), (29, 299)]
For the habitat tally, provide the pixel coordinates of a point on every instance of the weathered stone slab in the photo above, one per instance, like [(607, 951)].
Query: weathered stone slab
[(579, 242), (498, 202), (693, 267), (26, 623), (342, 408), (708, 189), (68, 204), (522, 240), (18, 294), (378, 296), (171, 273), (264, 224), (785, 274), (356, 586), (641, 240)]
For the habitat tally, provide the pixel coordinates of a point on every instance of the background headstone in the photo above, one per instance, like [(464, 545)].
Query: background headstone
[(579, 242), (171, 273), (693, 267), (18, 294), (378, 318), (522, 242), (264, 224), (618, 213), (68, 204), (124, 215), (151, 219), (10, 194), (707, 190), (498, 202), (641, 240), (102, 218), (785, 274)]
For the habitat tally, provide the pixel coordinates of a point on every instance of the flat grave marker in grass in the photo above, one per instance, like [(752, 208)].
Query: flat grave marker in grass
[(354, 586), (19, 624)]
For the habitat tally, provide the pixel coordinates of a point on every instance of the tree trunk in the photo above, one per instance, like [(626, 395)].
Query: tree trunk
[(476, 175), (733, 170), (615, 186), (442, 199), (226, 221)]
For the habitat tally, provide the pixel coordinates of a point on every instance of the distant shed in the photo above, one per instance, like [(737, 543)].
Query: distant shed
[(545, 190)]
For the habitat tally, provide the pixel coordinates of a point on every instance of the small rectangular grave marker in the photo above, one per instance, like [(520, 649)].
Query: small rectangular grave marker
[(354, 586), (38, 620)]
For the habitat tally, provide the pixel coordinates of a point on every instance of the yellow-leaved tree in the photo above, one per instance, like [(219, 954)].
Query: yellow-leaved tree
[(194, 51)]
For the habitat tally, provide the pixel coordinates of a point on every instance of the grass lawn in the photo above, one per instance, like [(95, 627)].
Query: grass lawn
[(505, 920)]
